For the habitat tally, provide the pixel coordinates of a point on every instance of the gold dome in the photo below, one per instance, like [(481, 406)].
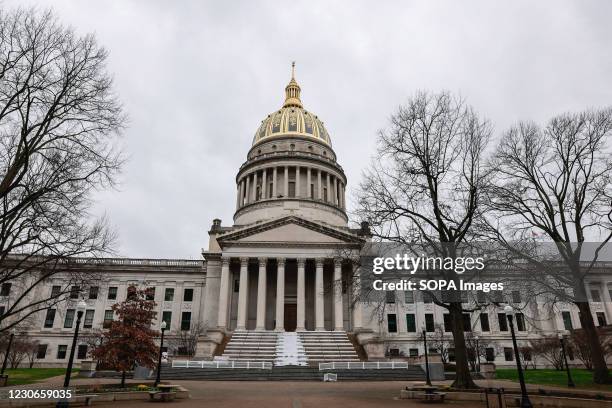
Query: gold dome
[(292, 119)]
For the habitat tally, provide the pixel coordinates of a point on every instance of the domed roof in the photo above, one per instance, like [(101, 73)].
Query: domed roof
[(292, 119)]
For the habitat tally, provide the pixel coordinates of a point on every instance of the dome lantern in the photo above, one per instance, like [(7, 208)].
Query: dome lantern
[(292, 91)]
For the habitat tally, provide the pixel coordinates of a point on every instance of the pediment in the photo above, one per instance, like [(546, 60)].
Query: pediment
[(290, 231)]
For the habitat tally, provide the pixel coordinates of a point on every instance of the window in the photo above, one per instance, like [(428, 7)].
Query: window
[(69, 319), (595, 295), (93, 292), (484, 322), (74, 292), (411, 323), (429, 322), (390, 296), (394, 352), (312, 191), (41, 352), (89, 316), (325, 193), (601, 319), (503, 322), (292, 189), (186, 321), (82, 351), (498, 296), (490, 354), (520, 322), (392, 323), (55, 291), (427, 297), (448, 324), (109, 315), (481, 297), (508, 355), (167, 317), (409, 297), (169, 294), (49, 318), (413, 352), (112, 293), (567, 320), (150, 294), (188, 295), (516, 296), (467, 322), (131, 293), (61, 351), (5, 289)]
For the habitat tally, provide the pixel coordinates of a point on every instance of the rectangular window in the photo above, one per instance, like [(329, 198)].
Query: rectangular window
[(93, 292), (150, 294), (270, 190), (392, 323), (567, 320), (490, 354), (429, 322), (167, 317), (186, 321), (169, 295), (74, 292), (5, 289), (112, 293), (89, 316), (595, 295), (390, 296), (516, 296), (508, 354), (503, 322), (484, 322), (498, 296), (61, 351), (408, 297), (413, 352), (325, 193), (448, 325), (520, 322), (601, 319), (55, 291), (41, 352), (188, 295), (82, 351), (467, 322), (427, 297), (109, 315), (49, 318), (69, 319), (411, 323), (292, 189)]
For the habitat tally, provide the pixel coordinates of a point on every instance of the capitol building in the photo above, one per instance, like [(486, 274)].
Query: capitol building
[(281, 273)]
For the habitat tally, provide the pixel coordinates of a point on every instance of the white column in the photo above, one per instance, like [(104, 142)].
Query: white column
[(329, 192), (286, 188), (297, 181), (255, 186), (301, 296), (223, 292), (336, 191), (308, 183), (238, 188), (274, 183), (605, 296), (264, 182), (338, 318), (261, 296), (247, 199), (280, 294), (319, 193), (243, 293), (319, 301), (358, 304)]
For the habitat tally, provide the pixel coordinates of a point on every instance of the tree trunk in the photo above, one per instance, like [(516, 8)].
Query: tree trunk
[(463, 378), (601, 375), (123, 379)]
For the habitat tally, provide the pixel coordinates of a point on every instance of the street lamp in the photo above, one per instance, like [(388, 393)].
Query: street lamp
[(477, 353), (570, 381), (80, 309), (6, 353), (161, 346), (525, 403), (426, 358)]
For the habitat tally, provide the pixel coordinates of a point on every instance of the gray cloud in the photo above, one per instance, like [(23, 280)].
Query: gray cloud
[(198, 77)]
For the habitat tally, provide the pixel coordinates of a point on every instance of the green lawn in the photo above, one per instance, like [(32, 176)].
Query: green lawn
[(20, 376), (582, 378)]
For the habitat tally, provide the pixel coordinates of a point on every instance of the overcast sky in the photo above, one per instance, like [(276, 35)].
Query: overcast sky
[(197, 78)]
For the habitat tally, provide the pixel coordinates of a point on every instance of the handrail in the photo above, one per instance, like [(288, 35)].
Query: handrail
[(370, 365), (261, 365)]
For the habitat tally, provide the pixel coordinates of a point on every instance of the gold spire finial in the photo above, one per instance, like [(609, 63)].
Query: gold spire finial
[(292, 90)]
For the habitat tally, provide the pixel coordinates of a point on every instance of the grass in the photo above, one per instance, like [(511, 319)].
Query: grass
[(582, 378), (19, 376)]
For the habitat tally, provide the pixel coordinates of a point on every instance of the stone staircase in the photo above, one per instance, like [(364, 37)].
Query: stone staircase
[(327, 346), (290, 351), (246, 345)]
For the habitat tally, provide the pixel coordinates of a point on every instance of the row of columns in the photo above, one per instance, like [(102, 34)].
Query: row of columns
[(280, 295), (247, 186)]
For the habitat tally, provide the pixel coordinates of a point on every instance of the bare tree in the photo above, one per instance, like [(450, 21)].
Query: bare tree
[(186, 341), (580, 346), (440, 341), (555, 183), (59, 123), (424, 186), (549, 349)]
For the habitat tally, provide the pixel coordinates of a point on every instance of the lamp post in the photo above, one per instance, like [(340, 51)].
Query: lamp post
[(6, 353), (161, 346), (525, 402), (477, 353), (428, 379), (80, 309), (570, 381)]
